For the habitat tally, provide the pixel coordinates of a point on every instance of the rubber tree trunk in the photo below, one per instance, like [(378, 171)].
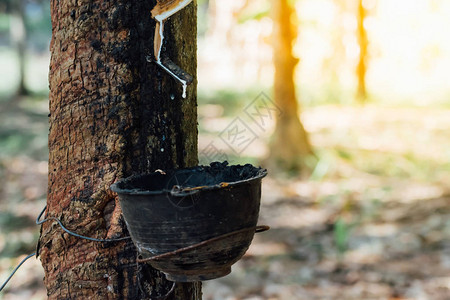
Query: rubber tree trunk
[(112, 114), (290, 146), (363, 42), (18, 35)]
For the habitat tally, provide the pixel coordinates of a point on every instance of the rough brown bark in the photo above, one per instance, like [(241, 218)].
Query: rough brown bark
[(290, 146), (361, 69), (112, 114)]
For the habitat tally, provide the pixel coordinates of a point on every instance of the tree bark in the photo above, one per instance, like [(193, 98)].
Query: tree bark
[(112, 114), (363, 42), (290, 145)]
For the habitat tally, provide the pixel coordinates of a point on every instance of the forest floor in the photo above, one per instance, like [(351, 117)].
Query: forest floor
[(371, 222)]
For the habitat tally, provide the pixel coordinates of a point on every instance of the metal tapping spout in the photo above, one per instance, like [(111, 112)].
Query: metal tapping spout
[(163, 10)]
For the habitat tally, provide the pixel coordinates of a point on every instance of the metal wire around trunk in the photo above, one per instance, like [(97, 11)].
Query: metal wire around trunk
[(15, 269), (40, 222)]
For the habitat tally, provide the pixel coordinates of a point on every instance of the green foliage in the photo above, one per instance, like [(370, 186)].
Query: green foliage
[(24, 129), (39, 20), (255, 15), (344, 154), (4, 22), (20, 240), (341, 235), (255, 12), (10, 222), (232, 100), (321, 168)]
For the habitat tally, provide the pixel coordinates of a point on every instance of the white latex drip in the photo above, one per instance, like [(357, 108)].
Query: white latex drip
[(183, 82), (161, 18), (184, 90), (161, 34)]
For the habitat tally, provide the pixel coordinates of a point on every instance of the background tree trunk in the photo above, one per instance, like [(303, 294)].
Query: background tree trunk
[(18, 33), (112, 114), (363, 42), (290, 146)]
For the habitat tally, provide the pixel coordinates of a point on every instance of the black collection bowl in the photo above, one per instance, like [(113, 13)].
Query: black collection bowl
[(192, 224)]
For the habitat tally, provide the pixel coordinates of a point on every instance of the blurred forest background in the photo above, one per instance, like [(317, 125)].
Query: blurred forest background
[(346, 102)]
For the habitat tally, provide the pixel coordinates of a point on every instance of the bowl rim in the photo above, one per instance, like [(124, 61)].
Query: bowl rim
[(139, 192)]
